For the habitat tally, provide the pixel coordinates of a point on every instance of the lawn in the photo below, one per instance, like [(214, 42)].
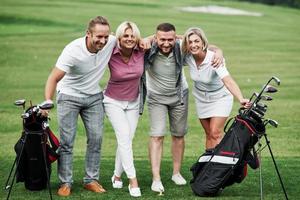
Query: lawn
[(34, 32)]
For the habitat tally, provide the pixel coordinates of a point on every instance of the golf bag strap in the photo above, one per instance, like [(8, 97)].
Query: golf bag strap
[(53, 140), (225, 128)]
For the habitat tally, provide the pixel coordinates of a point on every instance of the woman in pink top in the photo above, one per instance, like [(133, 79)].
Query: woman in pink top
[(121, 100)]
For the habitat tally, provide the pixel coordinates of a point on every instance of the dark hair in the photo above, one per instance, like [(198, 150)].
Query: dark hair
[(97, 20), (165, 27)]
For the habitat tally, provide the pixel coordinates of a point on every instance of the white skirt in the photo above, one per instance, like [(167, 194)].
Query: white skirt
[(213, 104)]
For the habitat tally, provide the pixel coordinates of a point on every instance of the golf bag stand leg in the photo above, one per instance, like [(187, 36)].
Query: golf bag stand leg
[(46, 168), (16, 162), (280, 180), (260, 171), (11, 170)]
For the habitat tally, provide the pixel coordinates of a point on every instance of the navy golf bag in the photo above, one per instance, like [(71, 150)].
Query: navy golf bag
[(227, 163)]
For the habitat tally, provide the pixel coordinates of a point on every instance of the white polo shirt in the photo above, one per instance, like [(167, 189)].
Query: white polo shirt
[(206, 78), (84, 69)]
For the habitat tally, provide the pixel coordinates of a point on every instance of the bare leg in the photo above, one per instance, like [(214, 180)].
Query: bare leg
[(155, 154), (206, 124), (216, 130), (177, 153), (133, 183)]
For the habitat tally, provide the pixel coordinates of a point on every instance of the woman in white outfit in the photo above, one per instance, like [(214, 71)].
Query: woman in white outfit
[(121, 100), (213, 88)]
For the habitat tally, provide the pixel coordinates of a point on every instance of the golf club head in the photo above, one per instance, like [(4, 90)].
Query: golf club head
[(255, 114), (261, 106), (46, 105), (273, 123), (270, 89), (266, 98), (255, 94), (259, 111), (20, 102), (277, 80)]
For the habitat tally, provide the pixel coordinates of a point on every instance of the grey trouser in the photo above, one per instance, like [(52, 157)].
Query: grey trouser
[(91, 111), (161, 106)]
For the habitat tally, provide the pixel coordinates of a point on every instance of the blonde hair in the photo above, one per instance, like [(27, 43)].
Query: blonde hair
[(193, 31), (128, 25)]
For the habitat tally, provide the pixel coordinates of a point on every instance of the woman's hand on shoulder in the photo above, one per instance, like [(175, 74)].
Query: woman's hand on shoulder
[(146, 42)]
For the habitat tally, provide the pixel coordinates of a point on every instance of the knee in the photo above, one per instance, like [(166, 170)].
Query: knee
[(178, 139), (215, 133), (157, 139)]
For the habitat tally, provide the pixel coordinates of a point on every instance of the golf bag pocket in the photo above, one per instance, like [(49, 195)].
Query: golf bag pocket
[(210, 173), (32, 165)]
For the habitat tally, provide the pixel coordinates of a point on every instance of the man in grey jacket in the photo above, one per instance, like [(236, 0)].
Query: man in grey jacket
[(167, 94)]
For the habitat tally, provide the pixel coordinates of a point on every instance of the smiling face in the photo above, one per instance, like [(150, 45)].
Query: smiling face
[(128, 40), (165, 41), (195, 44), (97, 37)]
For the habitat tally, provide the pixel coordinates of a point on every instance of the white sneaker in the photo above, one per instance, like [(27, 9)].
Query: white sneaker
[(116, 184), (157, 186), (134, 192), (178, 179)]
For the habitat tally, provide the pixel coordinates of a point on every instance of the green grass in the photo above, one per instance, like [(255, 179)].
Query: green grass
[(34, 32)]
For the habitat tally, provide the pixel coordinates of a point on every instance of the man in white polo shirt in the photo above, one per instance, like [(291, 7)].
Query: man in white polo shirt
[(76, 77)]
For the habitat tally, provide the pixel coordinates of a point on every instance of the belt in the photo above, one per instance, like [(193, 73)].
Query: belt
[(207, 90)]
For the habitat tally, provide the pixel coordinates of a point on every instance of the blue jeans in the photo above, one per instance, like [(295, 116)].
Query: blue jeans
[(92, 113)]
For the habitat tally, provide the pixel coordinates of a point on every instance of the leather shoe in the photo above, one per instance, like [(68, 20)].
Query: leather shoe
[(64, 190), (94, 186)]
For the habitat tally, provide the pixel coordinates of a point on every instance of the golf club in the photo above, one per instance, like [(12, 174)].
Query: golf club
[(265, 88), (272, 122), (21, 102), (270, 89)]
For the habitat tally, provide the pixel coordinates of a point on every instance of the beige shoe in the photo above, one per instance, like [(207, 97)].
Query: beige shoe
[(64, 190), (94, 186), (116, 184), (157, 186), (178, 179), (134, 192)]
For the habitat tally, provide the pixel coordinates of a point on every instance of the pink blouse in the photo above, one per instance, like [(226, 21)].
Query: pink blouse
[(125, 77)]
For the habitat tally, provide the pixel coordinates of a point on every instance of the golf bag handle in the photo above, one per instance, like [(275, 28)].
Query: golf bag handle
[(225, 128)]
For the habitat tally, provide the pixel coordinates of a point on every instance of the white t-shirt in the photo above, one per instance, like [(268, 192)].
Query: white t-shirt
[(206, 78), (83, 69)]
